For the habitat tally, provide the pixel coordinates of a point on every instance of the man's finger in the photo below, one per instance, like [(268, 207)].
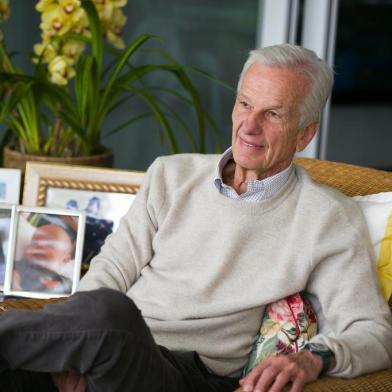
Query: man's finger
[(265, 380), (250, 379), (280, 382), (298, 383), (81, 384)]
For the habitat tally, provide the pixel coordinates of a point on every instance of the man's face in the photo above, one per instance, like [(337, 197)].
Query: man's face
[(265, 119), (50, 243)]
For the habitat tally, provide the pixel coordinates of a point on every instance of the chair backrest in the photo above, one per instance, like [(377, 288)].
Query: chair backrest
[(352, 180)]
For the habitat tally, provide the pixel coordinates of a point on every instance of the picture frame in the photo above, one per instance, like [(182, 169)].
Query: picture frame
[(104, 194), (7, 214), (10, 180), (44, 258)]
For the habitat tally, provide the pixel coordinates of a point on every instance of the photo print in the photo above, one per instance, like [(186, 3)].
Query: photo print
[(45, 254)]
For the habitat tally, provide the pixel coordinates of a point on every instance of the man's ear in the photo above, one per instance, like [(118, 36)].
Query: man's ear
[(306, 134)]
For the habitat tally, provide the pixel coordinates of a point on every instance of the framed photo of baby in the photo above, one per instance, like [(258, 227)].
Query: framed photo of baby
[(44, 259)]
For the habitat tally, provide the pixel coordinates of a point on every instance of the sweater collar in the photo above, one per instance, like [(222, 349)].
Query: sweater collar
[(257, 190)]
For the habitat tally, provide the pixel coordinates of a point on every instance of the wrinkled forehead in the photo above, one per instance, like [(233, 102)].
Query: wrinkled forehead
[(279, 84)]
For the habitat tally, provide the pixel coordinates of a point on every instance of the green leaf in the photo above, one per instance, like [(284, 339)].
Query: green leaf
[(161, 119), (182, 123), (9, 103), (96, 32), (86, 88), (178, 72), (212, 78), (129, 122), (214, 130), (131, 49)]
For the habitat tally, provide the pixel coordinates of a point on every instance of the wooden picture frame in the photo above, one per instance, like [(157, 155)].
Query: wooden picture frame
[(105, 195), (41, 176), (44, 259)]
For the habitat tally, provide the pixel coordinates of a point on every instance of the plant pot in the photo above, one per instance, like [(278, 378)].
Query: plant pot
[(17, 160)]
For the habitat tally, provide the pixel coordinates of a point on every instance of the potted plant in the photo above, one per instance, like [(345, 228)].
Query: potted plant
[(60, 110)]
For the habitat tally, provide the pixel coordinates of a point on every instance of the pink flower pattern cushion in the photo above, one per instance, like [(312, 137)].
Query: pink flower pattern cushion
[(287, 325)]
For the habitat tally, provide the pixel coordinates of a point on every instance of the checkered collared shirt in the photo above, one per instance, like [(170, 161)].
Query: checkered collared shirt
[(257, 190)]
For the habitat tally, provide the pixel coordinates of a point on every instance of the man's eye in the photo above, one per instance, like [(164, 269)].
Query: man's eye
[(273, 115), (244, 104)]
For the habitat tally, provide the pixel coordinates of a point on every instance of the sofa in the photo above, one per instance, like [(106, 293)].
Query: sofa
[(351, 180)]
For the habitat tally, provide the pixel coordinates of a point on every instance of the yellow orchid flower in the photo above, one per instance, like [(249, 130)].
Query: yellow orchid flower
[(104, 2), (55, 20), (115, 40), (60, 69), (114, 29), (69, 6), (105, 11), (116, 3), (4, 10), (59, 17), (48, 51), (42, 5), (79, 22), (72, 49), (47, 37), (106, 8)]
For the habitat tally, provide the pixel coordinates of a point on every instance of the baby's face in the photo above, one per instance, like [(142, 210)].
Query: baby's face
[(50, 243)]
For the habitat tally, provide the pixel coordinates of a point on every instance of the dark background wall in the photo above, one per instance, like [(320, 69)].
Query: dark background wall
[(361, 112), (216, 36), (199, 34)]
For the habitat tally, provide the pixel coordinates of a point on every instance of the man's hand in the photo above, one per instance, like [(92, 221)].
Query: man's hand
[(274, 373), (69, 382)]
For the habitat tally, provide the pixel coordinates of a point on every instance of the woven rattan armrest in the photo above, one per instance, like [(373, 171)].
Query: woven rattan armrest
[(30, 304)]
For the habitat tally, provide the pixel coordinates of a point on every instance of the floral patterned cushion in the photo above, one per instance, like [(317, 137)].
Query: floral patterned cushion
[(288, 324)]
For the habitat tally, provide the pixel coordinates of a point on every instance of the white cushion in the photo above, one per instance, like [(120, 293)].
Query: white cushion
[(377, 209)]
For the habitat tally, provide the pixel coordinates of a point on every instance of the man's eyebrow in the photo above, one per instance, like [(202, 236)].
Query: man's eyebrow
[(242, 95), (275, 107)]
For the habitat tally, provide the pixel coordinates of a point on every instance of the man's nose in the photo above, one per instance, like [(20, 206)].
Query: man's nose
[(253, 123)]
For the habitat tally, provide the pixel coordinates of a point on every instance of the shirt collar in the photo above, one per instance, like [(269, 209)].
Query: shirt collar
[(264, 189)]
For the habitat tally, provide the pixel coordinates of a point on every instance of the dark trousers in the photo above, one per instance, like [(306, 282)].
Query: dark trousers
[(102, 335)]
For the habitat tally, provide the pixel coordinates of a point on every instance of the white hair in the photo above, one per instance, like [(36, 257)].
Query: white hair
[(318, 73)]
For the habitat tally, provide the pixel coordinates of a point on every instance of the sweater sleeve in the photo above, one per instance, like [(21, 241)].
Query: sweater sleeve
[(126, 251), (345, 282)]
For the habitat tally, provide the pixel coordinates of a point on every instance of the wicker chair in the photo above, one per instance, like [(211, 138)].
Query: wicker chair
[(351, 180)]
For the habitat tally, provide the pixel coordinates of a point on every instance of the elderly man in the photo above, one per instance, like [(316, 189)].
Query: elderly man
[(207, 244)]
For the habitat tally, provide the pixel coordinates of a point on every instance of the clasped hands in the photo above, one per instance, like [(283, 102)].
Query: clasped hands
[(274, 373)]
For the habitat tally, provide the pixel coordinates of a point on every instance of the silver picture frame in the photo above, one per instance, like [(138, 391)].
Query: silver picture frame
[(7, 215), (45, 253)]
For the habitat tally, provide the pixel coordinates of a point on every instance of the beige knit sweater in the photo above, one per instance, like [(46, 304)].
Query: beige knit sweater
[(202, 267)]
